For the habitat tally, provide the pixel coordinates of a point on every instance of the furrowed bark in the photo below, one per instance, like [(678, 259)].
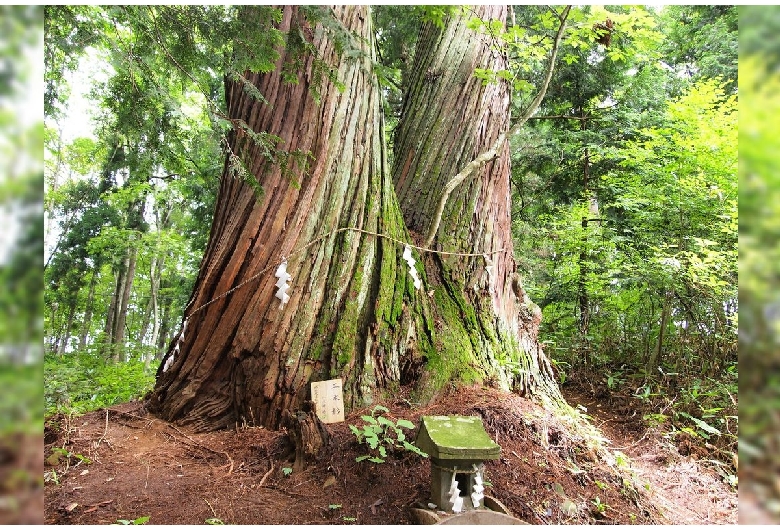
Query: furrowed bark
[(492, 152), (451, 121), (245, 358), (354, 313)]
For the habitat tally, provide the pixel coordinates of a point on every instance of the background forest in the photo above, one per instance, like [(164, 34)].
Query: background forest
[(759, 340), (561, 164), (629, 277), (21, 268), (624, 194)]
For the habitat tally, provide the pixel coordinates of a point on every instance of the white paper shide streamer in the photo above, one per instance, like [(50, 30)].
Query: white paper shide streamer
[(478, 490), (455, 499), (489, 268), (177, 348), (410, 261), (282, 284)]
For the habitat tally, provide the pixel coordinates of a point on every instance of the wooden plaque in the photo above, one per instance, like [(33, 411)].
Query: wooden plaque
[(329, 399)]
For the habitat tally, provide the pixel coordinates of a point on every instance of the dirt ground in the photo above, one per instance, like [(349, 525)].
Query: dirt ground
[(123, 464)]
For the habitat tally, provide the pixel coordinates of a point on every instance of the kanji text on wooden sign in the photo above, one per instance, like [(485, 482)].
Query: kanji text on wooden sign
[(329, 399)]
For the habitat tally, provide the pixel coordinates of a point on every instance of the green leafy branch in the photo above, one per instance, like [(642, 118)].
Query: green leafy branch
[(383, 435)]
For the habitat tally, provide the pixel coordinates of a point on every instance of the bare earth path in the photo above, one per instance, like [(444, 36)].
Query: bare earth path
[(686, 489)]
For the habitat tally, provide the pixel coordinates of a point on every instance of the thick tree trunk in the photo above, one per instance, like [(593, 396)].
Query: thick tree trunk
[(449, 118), (352, 311)]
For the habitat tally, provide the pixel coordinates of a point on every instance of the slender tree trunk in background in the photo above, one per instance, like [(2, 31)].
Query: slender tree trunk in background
[(165, 327), (147, 314), (85, 326), (117, 317), (54, 341), (582, 291), (655, 356), (152, 313), (155, 311), (124, 300), (584, 259), (448, 119), (68, 328), (117, 311), (111, 313), (163, 218)]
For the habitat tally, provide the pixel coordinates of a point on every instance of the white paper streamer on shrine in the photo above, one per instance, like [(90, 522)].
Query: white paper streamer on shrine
[(478, 490), (282, 284), (455, 499), (410, 261)]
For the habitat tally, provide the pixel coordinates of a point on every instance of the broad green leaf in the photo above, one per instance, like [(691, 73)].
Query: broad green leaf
[(405, 424), (384, 421)]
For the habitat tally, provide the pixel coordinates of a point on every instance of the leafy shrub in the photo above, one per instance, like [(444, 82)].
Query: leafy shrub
[(382, 435), (82, 382), (20, 408)]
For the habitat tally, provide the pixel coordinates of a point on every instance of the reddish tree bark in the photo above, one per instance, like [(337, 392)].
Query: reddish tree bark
[(353, 311), (243, 358), (449, 118)]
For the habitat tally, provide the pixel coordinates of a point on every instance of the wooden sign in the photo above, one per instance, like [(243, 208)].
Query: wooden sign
[(329, 399)]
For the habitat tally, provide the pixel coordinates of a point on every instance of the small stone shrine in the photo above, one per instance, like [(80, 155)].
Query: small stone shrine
[(458, 447)]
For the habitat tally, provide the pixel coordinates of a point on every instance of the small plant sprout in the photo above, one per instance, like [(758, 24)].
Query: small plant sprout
[(381, 434), (287, 471), (600, 507), (213, 520), (622, 460), (51, 476)]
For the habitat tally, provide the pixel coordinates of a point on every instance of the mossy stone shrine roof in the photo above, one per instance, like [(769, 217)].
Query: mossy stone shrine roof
[(456, 438)]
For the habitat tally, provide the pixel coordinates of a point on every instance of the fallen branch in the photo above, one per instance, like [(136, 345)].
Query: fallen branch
[(262, 480)]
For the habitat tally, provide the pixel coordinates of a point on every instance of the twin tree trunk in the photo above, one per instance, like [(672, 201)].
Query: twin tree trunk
[(354, 312)]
